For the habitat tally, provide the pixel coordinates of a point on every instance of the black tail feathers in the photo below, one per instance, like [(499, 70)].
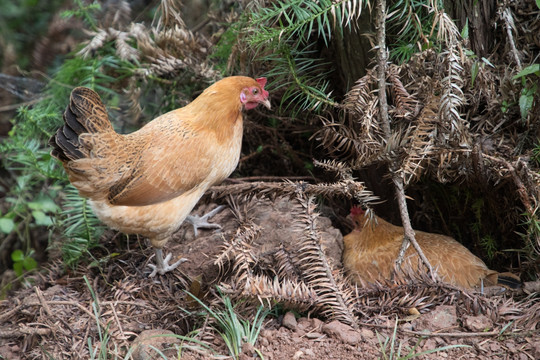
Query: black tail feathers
[(84, 114)]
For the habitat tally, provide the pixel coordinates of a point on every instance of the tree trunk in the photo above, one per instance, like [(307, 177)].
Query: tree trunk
[(481, 15)]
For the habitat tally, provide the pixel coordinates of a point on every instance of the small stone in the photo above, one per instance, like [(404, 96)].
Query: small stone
[(478, 323), (309, 352), (442, 317), (342, 332), (407, 326), (264, 341), (314, 335), (298, 355), (317, 324), (494, 347), (289, 321), (366, 333), (145, 344), (304, 323), (248, 349), (430, 344)]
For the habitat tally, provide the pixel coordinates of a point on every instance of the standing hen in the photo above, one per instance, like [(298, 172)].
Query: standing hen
[(372, 248), (147, 182)]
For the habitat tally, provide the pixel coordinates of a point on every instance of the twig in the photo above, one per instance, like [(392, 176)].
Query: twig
[(508, 21), (43, 302), (521, 189), (267, 178), (383, 105), (381, 66), (441, 334), (9, 314), (407, 227), (18, 105)]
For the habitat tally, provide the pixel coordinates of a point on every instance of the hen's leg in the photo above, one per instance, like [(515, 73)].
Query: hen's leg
[(163, 264), (201, 222)]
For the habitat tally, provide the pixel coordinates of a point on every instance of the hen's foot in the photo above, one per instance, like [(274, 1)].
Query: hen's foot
[(163, 264), (201, 222)]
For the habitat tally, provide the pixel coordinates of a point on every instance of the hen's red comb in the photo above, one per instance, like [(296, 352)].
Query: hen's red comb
[(356, 210), (261, 81)]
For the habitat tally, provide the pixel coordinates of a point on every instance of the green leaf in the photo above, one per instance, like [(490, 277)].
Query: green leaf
[(6, 225), (538, 4), (41, 218), (45, 204), (18, 267), (29, 263), (17, 256), (525, 104), (531, 69), (465, 31), (474, 72)]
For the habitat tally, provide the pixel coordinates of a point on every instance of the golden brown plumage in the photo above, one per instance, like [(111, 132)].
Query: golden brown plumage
[(371, 249), (147, 182)]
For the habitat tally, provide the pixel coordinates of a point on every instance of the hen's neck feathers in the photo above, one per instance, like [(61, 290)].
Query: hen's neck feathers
[(218, 108), (377, 231)]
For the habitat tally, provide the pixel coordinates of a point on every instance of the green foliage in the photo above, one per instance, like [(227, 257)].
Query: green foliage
[(224, 48), (410, 28), (287, 32), (536, 154), (84, 12), (20, 22), (6, 225), (234, 330), (391, 350), (26, 155), (79, 225), (22, 262), (529, 79)]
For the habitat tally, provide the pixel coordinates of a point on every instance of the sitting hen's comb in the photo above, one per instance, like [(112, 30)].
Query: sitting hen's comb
[(357, 210)]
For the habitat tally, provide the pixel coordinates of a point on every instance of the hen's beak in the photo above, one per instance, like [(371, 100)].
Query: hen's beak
[(266, 103)]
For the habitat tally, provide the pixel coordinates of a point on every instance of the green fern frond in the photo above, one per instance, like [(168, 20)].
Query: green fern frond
[(300, 19), (81, 227), (288, 31)]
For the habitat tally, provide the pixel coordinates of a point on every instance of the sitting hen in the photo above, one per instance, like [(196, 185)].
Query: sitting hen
[(147, 182), (372, 248)]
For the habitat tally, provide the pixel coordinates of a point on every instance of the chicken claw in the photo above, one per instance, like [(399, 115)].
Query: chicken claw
[(201, 222), (163, 264)]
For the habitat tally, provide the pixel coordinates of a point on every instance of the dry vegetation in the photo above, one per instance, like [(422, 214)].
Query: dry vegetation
[(455, 123)]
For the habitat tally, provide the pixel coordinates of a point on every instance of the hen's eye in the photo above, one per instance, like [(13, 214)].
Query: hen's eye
[(255, 91)]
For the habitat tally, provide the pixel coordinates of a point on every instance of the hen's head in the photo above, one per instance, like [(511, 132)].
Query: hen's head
[(254, 94), (357, 216), (235, 92)]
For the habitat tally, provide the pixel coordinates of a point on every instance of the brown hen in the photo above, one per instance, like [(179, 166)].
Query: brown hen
[(147, 182), (372, 248)]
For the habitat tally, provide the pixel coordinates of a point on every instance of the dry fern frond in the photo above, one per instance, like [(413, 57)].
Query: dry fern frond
[(422, 143), (291, 294), (347, 188), (123, 49), (344, 170), (452, 98), (97, 42), (168, 16), (115, 14), (448, 31), (334, 295), (406, 106)]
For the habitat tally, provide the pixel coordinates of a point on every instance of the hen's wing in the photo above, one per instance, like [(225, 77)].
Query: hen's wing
[(173, 159)]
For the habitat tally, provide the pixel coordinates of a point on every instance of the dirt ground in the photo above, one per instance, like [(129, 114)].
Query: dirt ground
[(111, 306)]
